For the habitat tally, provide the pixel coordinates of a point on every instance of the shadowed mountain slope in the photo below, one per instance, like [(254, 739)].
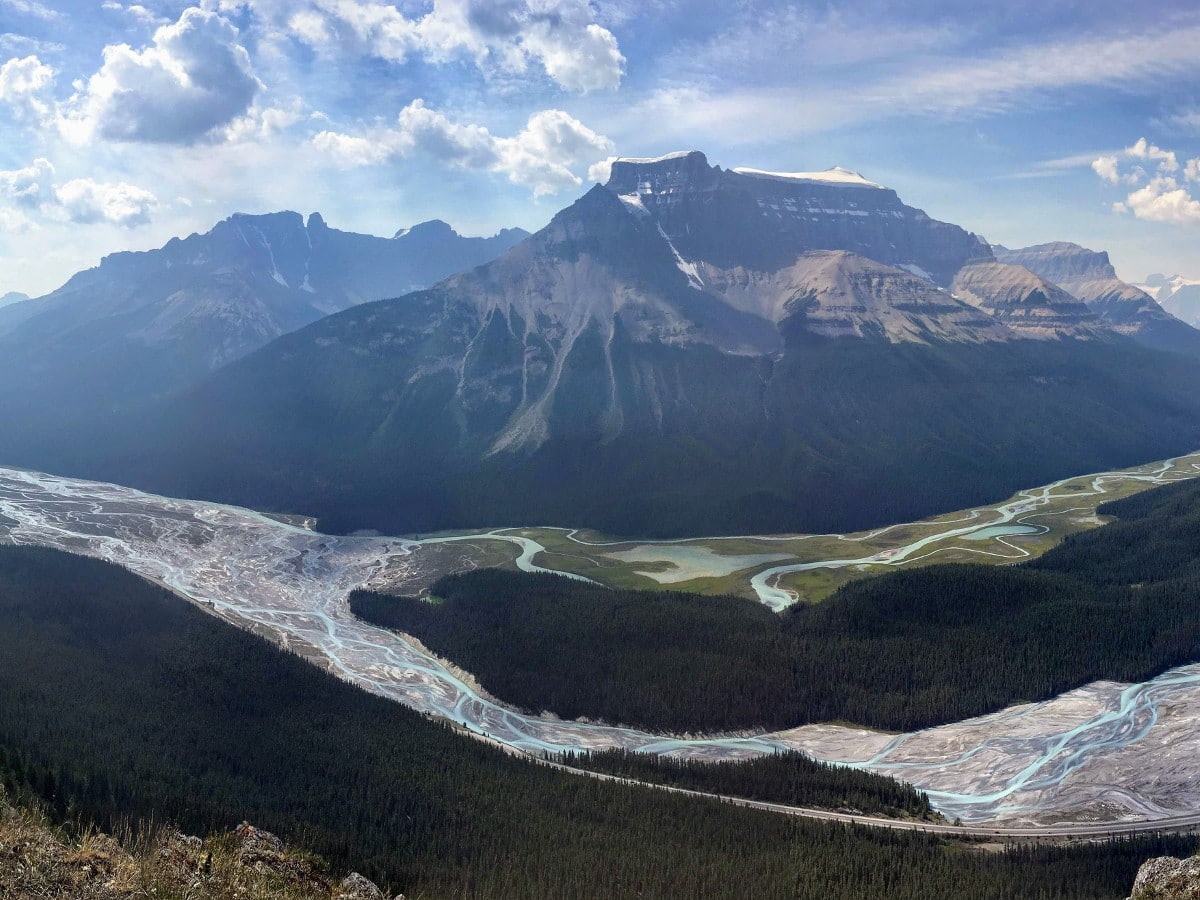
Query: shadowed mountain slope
[(606, 373), (142, 325)]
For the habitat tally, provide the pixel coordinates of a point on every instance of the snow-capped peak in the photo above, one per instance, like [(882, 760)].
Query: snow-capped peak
[(647, 160), (837, 176)]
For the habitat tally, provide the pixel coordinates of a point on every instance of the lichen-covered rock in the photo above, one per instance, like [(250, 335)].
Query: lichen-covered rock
[(182, 855), (357, 887), (256, 840), (1168, 878)]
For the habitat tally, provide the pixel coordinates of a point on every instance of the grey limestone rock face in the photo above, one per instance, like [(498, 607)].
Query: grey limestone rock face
[(143, 325), (1089, 276), (763, 220), (1025, 302), (1167, 878), (358, 887)]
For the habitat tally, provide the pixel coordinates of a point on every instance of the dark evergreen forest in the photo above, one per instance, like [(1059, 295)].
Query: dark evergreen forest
[(120, 701), (898, 651), (791, 778)]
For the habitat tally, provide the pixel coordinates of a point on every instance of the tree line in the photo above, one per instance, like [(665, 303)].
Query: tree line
[(899, 651), (119, 701)]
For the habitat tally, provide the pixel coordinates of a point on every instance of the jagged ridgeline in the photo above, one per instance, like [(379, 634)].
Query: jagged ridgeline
[(684, 350), (118, 700), (145, 325)]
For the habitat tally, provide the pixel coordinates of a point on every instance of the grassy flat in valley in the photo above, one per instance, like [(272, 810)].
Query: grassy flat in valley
[(1067, 508)]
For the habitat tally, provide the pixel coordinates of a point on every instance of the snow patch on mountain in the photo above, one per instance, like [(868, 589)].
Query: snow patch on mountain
[(649, 160), (633, 202), (687, 268), (837, 175), (914, 269)]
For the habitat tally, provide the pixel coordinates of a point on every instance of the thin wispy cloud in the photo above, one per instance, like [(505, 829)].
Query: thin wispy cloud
[(1057, 167), (932, 86), (31, 8)]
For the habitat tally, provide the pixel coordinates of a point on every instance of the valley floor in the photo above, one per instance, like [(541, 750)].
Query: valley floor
[(1104, 753), (780, 570)]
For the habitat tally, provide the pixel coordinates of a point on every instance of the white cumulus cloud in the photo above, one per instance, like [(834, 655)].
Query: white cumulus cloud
[(351, 150), (601, 171), (81, 200), (84, 202), (1166, 159), (194, 79), (1106, 168), (551, 144), (25, 84), (29, 186), (1158, 196), (502, 36), (1163, 200), (543, 156)]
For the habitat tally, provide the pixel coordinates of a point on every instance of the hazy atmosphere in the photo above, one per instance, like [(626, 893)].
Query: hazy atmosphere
[(127, 124), (567, 449)]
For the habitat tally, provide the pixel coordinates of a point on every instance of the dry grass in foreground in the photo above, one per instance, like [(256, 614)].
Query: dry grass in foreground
[(39, 862)]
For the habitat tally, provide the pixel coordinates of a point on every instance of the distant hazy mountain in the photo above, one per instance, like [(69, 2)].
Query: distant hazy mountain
[(1176, 294), (684, 350), (141, 325), (12, 297), (1088, 275)]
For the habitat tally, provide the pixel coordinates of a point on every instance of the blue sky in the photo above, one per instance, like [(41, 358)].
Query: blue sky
[(126, 124)]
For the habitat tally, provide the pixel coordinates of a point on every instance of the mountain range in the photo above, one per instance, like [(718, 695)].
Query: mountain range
[(1089, 276), (1178, 295), (163, 318), (683, 350), (141, 326)]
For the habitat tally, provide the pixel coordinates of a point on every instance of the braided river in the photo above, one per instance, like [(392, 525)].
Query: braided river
[(1105, 752)]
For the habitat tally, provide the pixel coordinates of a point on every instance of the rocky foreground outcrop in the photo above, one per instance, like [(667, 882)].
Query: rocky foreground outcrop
[(1168, 878), (37, 861)]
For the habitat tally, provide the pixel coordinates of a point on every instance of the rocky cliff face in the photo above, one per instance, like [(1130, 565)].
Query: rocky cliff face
[(606, 274), (840, 294), (763, 220), (1090, 276), (1031, 306), (254, 278), (673, 355)]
